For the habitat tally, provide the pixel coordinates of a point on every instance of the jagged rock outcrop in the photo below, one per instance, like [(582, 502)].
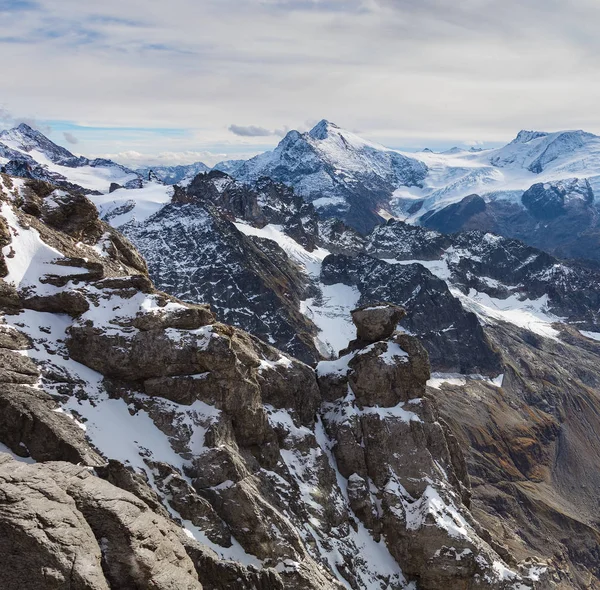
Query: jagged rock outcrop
[(377, 321), (407, 477), (233, 461)]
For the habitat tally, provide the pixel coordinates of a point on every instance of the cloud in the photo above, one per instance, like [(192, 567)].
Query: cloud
[(255, 131), (402, 71), (5, 116), (70, 137), (249, 131), (34, 123), (17, 5)]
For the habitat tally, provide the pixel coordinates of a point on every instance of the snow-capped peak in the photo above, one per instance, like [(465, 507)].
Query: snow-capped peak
[(525, 136), (25, 138), (321, 129), (24, 151)]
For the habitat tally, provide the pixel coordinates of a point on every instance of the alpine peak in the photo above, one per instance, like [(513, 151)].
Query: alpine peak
[(525, 136), (321, 129)]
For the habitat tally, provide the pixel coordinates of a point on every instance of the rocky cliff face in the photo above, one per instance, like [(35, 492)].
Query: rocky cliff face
[(152, 446)]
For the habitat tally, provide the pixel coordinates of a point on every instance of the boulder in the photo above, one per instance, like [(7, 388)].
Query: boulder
[(378, 321), (72, 303), (386, 373), (31, 426)]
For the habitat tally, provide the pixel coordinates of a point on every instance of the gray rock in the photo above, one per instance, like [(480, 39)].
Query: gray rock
[(377, 321), (61, 525)]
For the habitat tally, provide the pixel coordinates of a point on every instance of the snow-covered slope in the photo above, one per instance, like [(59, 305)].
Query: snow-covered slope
[(27, 152), (137, 204), (503, 173)]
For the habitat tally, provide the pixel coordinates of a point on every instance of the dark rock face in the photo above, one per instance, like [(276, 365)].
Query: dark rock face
[(454, 217), (452, 336), (204, 258), (471, 259)]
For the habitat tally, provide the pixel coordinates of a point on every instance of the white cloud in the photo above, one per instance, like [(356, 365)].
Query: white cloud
[(70, 137), (255, 131)]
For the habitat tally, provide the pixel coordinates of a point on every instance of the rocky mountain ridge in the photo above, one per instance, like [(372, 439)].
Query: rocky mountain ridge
[(209, 458)]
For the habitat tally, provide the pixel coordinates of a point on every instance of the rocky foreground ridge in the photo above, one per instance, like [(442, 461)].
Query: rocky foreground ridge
[(149, 446)]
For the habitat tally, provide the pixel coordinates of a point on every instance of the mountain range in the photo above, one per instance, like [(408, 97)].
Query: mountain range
[(386, 391), (540, 188)]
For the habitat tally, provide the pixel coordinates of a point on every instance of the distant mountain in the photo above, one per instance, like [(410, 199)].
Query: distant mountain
[(540, 188), (342, 174), (183, 174), (229, 166), (28, 153)]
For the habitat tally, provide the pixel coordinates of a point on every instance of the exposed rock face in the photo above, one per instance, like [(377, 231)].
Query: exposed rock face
[(407, 478), (63, 527), (247, 283), (452, 218)]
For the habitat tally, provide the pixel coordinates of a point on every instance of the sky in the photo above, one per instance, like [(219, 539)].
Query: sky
[(178, 81)]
